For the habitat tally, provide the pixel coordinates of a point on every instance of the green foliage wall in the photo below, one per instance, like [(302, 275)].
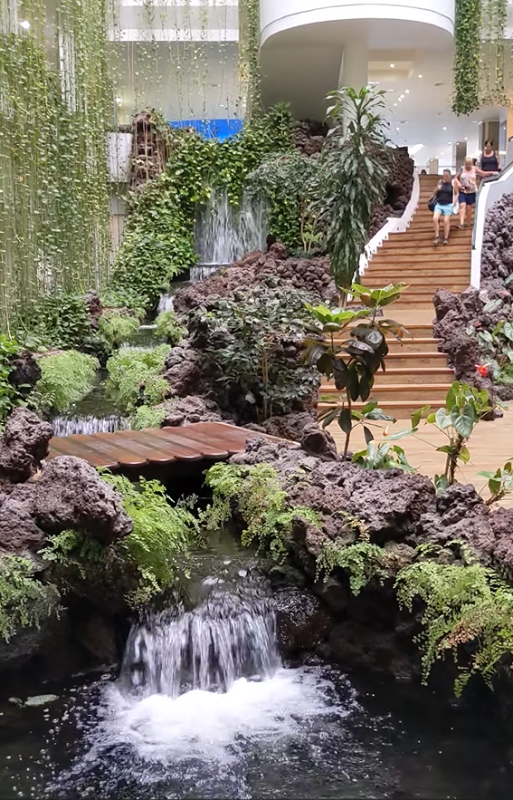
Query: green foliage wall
[(55, 111), (159, 234)]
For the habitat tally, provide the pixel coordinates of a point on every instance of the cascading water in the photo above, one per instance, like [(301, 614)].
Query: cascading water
[(228, 637), (225, 234), (68, 426)]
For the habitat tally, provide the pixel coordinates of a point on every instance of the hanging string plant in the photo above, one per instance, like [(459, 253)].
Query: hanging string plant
[(54, 113), (480, 75), (249, 51), (493, 74), (467, 56)]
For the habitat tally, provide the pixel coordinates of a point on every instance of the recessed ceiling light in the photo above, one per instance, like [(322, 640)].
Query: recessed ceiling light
[(397, 129), (395, 104), (444, 128), (449, 142), (407, 91), (419, 76), (466, 138), (392, 66), (25, 24)]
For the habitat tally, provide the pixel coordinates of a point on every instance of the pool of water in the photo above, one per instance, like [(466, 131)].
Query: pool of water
[(303, 733)]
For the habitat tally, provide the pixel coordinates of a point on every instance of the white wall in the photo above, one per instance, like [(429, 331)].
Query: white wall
[(277, 16)]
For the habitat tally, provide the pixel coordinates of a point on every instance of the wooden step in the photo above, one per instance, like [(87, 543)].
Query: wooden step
[(443, 255), (429, 282), (417, 234), (388, 271), (408, 376), (412, 392), (411, 360), (400, 409)]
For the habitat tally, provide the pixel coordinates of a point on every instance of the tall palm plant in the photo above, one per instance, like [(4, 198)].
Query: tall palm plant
[(354, 175)]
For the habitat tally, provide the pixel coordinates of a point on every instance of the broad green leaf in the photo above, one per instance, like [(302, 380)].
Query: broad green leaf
[(463, 422), (369, 436), (464, 455), (442, 419), (345, 421)]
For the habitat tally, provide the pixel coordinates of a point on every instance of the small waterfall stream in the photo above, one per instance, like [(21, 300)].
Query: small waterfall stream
[(230, 635), (225, 234)]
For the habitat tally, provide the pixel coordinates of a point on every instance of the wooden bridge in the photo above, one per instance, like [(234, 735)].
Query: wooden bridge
[(202, 441)]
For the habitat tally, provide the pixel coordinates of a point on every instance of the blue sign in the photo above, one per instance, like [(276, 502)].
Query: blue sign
[(220, 129)]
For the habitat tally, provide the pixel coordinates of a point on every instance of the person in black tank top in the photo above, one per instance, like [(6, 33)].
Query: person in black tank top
[(444, 206), (489, 162)]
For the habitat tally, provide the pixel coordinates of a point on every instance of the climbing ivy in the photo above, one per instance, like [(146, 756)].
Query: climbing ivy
[(249, 50)]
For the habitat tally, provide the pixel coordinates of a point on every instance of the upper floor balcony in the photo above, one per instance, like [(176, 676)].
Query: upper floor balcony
[(176, 20)]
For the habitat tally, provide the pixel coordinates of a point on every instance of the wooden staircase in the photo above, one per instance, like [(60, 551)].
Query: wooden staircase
[(416, 373)]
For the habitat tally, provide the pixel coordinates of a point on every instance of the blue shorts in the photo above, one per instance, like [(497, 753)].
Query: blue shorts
[(468, 199), (445, 210)]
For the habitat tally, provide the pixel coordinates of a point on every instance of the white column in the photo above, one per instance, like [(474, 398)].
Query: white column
[(354, 69)]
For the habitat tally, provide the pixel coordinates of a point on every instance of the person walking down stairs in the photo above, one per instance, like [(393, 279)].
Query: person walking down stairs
[(444, 206)]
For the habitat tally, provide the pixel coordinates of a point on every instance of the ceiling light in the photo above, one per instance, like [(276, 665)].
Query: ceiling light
[(392, 66), (419, 76), (466, 138), (407, 91), (444, 128), (449, 142), (25, 24), (397, 129), (395, 104)]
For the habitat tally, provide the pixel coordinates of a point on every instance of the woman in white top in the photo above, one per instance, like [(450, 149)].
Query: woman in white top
[(466, 184)]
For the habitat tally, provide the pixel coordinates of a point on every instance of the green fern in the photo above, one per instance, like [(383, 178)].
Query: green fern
[(162, 534), (462, 605), (146, 417), (261, 503), (24, 601), (362, 560), (135, 377), (117, 328), (73, 549), (169, 328), (65, 379)]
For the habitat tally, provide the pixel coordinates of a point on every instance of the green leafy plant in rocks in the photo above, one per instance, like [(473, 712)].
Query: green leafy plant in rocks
[(168, 327), (259, 361), (467, 611), (65, 379), (135, 378), (24, 600), (354, 361), (124, 298), (162, 537), (256, 495)]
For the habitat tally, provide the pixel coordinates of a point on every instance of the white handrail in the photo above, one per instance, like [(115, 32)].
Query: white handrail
[(392, 225)]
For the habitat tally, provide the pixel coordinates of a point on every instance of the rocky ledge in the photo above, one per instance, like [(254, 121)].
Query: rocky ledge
[(391, 509)]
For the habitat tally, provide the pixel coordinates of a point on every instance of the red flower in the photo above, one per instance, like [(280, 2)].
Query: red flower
[(483, 371)]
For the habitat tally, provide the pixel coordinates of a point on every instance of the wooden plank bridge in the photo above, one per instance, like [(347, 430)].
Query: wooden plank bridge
[(151, 447)]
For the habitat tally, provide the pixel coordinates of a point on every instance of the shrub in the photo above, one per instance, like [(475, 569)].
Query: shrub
[(134, 377), (126, 298), (10, 396), (117, 328), (58, 320), (66, 378), (168, 327), (24, 601), (258, 358)]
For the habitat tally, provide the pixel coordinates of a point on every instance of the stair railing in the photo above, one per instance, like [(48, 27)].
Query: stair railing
[(491, 190), (392, 225)]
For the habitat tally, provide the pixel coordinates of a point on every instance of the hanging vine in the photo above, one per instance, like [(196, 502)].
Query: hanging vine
[(55, 110), (249, 50), (480, 74)]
